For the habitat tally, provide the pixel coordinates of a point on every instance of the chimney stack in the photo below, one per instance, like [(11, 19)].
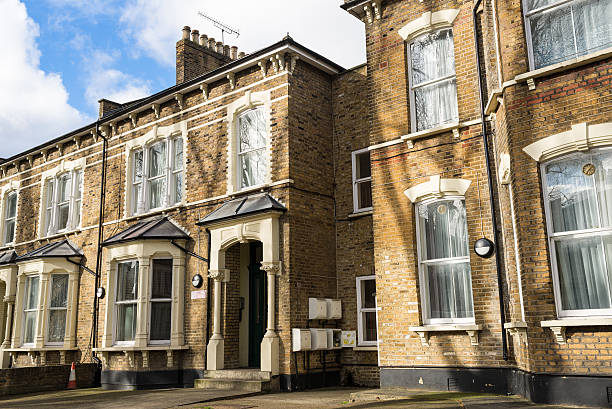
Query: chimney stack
[(197, 54)]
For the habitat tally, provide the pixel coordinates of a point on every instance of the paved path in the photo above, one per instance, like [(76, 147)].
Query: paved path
[(329, 398)]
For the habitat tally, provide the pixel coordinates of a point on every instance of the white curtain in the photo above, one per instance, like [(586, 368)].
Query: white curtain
[(444, 237), (127, 293), (433, 58), (582, 202), (157, 175), (31, 305), (252, 148)]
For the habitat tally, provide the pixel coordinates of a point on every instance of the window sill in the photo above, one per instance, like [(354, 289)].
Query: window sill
[(530, 76), (425, 330), (558, 326), (129, 352), (454, 127), (517, 328), (64, 233), (365, 348), (361, 213), (42, 353), (154, 212)]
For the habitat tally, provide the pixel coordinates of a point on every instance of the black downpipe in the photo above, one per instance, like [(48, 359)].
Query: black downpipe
[(208, 295), (500, 289), (100, 238)]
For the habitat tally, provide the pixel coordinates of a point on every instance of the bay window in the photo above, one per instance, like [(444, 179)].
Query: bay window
[(433, 87), (444, 262), (362, 181), (578, 197), (126, 302), (62, 199), (252, 155), (558, 30), (157, 175), (10, 216), (366, 311), (58, 308)]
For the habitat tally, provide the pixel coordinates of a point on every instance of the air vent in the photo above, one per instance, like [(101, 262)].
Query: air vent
[(452, 384)]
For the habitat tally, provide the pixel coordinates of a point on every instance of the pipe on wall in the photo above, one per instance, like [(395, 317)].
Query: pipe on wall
[(500, 288)]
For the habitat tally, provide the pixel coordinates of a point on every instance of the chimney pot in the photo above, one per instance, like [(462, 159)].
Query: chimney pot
[(226, 50), (186, 32), (195, 35), (219, 47), (234, 52), (241, 54), (204, 40), (211, 43)]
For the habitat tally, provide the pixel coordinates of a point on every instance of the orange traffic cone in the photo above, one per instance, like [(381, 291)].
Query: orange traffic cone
[(72, 379)]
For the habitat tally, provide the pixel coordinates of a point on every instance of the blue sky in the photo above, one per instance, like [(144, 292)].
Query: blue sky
[(64, 55)]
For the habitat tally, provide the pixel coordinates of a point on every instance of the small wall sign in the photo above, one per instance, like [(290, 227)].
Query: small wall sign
[(349, 339), (198, 295)]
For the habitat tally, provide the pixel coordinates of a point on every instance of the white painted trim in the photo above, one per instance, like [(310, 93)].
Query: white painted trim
[(360, 310), (437, 187), (427, 22), (355, 182), (580, 138)]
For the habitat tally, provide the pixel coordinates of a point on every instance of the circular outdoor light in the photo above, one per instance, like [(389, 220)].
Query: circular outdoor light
[(100, 292), (197, 281), (484, 248)]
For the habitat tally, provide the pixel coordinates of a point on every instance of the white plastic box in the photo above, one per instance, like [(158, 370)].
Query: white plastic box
[(317, 309), (318, 338), (301, 339), (334, 309)]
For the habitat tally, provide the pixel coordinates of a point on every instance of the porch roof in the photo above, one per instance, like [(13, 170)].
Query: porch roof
[(63, 249), (8, 257), (243, 206), (155, 228)]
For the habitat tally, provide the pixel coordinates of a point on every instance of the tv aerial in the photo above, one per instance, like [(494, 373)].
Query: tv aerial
[(223, 27)]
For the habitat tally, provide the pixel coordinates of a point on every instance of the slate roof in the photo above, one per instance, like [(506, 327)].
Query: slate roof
[(63, 249), (159, 227), (8, 257), (243, 206)]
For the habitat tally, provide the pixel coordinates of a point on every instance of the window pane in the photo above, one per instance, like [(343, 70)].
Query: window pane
[(178, 154), (126, 322), (593, 24), (552, 36), (64, 188), (11, 205), (136, 189), (253, 168), (160, 321), (362, 166), (62, 216), (32, 293), (584, 278), (436, 104), (178, 186), (9, 234), (78, 177), (364, 192), (157, 194), (368, 294), (369, 326), (157, 159), (29, 327), (162, 279), (137, 177), (127, 281), (59, 290), (450, 290), (432, 56), (444, 229), (536, 4), (252, 130), (57, 325), (50, 192)]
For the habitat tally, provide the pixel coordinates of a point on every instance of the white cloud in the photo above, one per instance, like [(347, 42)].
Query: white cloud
[(103, 81), (34, 105), (154, 26)]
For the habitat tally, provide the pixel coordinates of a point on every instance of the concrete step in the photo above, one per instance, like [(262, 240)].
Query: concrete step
[(233, 384), (238, 374)]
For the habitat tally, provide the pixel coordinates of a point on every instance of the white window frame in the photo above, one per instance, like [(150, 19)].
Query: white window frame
[(356, 182), (241, 154), (151, 301), (552, 237), (6, 219), (424, 282), (527, 15), (117, 303), (412, 87), (141, 203), (49, 308), (361, 310), (50, 204), (34, 310)]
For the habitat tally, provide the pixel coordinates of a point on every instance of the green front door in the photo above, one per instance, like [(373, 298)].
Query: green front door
[(257, 304)]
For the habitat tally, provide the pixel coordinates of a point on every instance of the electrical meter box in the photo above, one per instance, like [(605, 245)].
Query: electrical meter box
[(317, 309), (334, 309), (334, 338), (301, 339), (318, 338)]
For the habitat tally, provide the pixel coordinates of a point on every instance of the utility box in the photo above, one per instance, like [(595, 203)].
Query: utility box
[(334, 338), (318, 338), (301, 339), (334, 309), (317, 309)]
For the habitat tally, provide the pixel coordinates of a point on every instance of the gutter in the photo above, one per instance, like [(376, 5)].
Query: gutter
[(500, 289)]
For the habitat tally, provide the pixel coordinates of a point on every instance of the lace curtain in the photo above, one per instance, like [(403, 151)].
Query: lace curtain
[(252, 148)]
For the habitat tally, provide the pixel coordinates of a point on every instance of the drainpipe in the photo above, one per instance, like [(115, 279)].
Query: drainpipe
[(500, 289), (100, 238)]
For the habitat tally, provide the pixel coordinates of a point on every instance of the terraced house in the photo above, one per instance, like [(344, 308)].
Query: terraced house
[(436, 218)]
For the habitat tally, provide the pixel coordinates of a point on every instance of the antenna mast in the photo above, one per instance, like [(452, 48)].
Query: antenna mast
[(223, 27)]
